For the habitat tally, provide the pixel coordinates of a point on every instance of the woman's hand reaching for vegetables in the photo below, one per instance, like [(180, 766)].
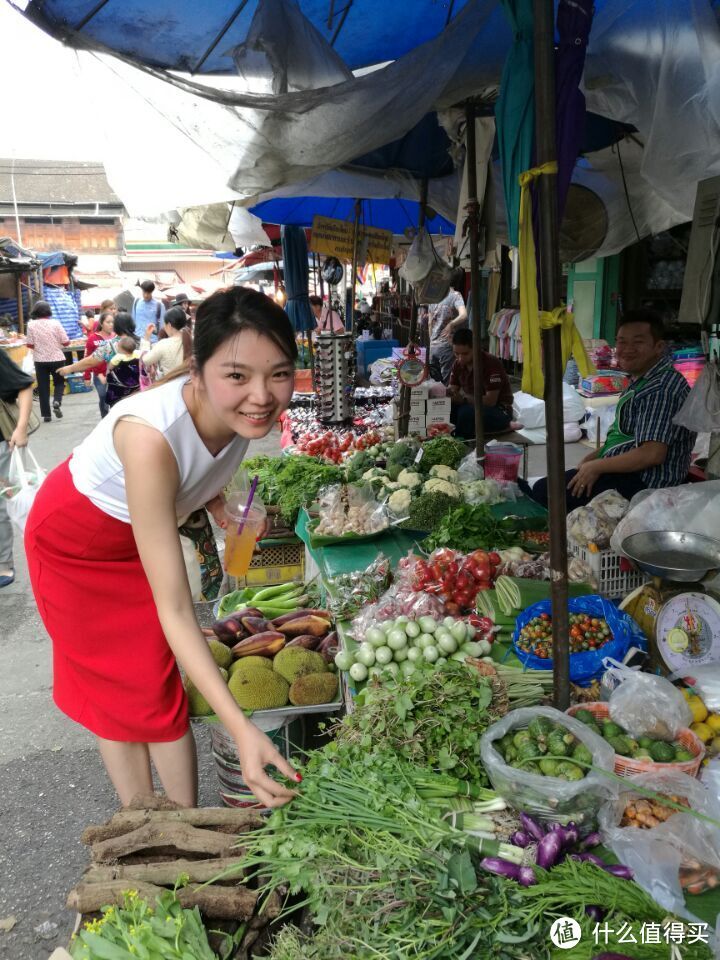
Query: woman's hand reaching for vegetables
[(257, 752), (216, 508)]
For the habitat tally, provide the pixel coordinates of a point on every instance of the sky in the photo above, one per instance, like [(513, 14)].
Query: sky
[(34, 125)]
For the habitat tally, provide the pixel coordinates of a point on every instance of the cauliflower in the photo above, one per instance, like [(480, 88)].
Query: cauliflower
[(445, 473), (373, 474), (408, 478), (399, 501), (438, 485), (390, 484)]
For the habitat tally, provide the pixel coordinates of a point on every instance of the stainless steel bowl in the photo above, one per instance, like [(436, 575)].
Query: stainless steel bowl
[(679, 557)]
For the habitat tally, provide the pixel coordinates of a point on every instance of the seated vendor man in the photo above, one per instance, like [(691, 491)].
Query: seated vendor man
[(644, 449), (497, 393)]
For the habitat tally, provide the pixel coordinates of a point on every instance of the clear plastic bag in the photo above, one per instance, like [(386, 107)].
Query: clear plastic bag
[(595, 523), (401, 599), (645, 704), (679, 847), (705, 681), (549, 798), (701, 410), (691, 507), (349, 509), (25, 478)]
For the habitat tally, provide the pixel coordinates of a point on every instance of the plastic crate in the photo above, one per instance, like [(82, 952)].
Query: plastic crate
[(627, 767), (502, 461), (613, 581), (275, 563), (76, 384)]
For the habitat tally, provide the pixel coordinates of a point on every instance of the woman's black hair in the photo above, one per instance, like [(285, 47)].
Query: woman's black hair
[(228, 312), (104, 315), (41, 309), (176, 317), (125, 326)]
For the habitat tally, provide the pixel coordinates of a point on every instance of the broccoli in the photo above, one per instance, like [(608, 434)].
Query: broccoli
[(357, 465), (403, 453)]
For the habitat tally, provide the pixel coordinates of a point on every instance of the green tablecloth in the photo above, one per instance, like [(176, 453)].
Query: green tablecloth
[(347, 558)]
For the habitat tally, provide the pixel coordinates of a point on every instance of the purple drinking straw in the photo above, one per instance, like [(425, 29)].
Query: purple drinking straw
[(253, 488)]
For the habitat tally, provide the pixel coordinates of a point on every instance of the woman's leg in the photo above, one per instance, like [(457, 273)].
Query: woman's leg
[(42, 375), (101, 388), (176, 765), (128, 766), (58, 388)]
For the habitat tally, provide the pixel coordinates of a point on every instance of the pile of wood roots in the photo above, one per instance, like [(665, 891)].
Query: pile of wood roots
[(151, 843)]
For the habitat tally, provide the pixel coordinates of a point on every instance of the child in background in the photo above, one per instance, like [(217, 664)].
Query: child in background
[(126, 351)]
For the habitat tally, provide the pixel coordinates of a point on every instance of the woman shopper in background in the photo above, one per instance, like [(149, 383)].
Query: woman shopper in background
[(175, 348), (103, 332), (46, 338), (111, 513), (15, 389), (123, 326)]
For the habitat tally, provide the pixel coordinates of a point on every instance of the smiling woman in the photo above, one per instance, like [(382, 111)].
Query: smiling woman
[(112, 512)]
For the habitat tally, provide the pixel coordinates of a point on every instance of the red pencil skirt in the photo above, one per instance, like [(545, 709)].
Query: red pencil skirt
[(113, 671)]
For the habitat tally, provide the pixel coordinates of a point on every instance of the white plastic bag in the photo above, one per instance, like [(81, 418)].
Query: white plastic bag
[(24, 480), (531, 412), (705, 681), (420, 260), (645, 704), (657, 855), (691, 507), (548, 798), (28, 365), (701, 410)]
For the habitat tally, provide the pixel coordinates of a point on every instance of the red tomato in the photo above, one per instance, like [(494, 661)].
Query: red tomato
[(494, 558)]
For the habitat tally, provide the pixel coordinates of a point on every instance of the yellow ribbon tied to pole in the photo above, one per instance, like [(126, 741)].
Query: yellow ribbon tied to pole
[(532, 320)]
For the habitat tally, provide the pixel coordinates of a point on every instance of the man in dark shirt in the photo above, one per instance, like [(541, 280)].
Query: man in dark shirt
[(497, 392), (644, 449)]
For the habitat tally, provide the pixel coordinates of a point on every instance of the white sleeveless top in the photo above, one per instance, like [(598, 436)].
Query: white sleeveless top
[(98, 473)]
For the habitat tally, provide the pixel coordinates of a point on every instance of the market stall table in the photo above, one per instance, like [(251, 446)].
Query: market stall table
[(16, 349)]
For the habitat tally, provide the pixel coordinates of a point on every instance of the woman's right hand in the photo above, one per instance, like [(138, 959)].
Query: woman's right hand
[(64, 371), (257, 751)]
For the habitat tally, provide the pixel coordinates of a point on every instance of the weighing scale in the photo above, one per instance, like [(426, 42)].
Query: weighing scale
[(682, 622)]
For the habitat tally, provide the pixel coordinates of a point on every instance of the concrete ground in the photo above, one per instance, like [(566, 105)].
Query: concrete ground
[(52, 783)]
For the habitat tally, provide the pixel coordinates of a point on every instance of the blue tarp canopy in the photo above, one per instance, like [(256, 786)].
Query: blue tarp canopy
[(179, 34), (395, 215)]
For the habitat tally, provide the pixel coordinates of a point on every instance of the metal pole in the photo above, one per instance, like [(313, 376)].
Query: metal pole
[(404, 415), (473, 220), (549, 290), (21, 312), (358, 208)]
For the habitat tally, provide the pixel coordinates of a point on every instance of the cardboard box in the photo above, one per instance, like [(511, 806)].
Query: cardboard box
[(437, 418), (439, 407), (417, 425), (417, 407)]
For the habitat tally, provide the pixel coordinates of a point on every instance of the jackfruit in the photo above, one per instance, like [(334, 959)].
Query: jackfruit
[(252, 661), (313, 688), (198, 705), (222, 655), (224, 674), (294, 662), (259, 689)]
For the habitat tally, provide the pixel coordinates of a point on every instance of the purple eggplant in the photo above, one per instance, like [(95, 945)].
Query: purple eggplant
[(590, 841), (619, 870), (521, 839), (570, 836), (530, 826), (595, 913), (591, 858), (503, 868), (549, 850), (527, 877)]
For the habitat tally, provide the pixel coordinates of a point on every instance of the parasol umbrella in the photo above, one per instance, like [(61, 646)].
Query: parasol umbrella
[(574, 19), (295, 259), (515, 109)]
